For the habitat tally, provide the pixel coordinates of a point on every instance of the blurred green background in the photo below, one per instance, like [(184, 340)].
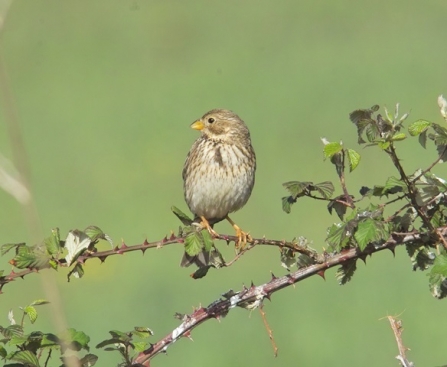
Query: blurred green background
[(105, 92)]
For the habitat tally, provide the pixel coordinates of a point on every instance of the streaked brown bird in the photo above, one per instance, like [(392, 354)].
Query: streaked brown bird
[(219, 171)]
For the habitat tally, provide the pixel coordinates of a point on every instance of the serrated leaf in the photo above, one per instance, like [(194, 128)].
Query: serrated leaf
[(182, 216), (418, 127), (326, 189), (31, 313), (330, 149), (207, 240), (12, 330), (399, 137), (296, 188), (76, 243), (194, 243), (346, 271), (440, 265), (370, 230), (354, 159), (31, 258), (26, 357), (52, 243), (394, 185), (95, 233), (372, 132), (9, 246), (365, 233)]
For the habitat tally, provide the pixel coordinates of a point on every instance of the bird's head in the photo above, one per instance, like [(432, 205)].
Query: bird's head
[(223, 125)]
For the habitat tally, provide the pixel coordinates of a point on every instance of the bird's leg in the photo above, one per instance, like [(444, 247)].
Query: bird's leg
[(206, 224), (240, 234)]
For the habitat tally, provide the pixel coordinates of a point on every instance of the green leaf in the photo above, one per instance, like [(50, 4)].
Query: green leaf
[(423, 139), (418, 127), (394, 185), (287, 202), (75, 340), (182, 216), (108, 342), (384, 145), (31, 312), (372, 132), (440, 265), (12, 330), (296, 188), (142, 332), (194, 243), (26, 357), (399, 137), (30, 257), (325, 189), (39, 302), (354, 159), (3, 352), (95, 233), (365, 233), (330, 149), (346, 271), (9, 246), (139, 346), (52, 243)]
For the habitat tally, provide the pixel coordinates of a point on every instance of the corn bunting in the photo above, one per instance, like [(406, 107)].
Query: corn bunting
[(219, 171)]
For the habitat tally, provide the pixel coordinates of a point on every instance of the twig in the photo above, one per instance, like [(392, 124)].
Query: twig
[(396, 326), (269, 331), (253, 297)]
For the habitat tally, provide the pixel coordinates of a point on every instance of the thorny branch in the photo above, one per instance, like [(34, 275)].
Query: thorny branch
[(253, 297), (173, 239)]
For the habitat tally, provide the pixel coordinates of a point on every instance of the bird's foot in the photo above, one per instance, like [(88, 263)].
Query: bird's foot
[(206, 225), (242, 237)]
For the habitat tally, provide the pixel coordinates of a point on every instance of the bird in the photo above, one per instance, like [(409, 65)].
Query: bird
[(219, 170)]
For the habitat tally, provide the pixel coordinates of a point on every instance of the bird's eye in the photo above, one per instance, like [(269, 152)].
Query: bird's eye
[(211, 120)]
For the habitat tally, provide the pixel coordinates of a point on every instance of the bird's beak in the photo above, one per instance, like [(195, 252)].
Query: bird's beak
[(198, 125)]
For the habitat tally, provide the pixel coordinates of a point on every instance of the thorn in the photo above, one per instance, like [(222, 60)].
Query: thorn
[(143, 250), (173, 237), (145, 243), (268, 296), (363, 257), (273, 277), (164, 240), (392, 249), (116, 249), (123, 246), (102, 259), (321, 274), (252, 285)]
